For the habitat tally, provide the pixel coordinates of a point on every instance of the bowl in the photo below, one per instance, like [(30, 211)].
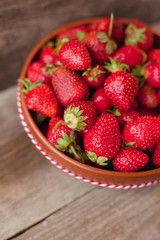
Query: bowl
[(93, 175)]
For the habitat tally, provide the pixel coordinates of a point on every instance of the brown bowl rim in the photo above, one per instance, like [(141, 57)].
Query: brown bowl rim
[(37, 132)]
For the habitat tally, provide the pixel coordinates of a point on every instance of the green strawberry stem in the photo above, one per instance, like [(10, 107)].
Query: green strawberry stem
[(115, 112), (114, 66), (27, 85), (74, 119), (57, 124), (76, 156), (111, 25), (48, 44)]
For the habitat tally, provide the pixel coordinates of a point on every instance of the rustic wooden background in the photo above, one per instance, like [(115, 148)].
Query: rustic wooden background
[(23, 23)]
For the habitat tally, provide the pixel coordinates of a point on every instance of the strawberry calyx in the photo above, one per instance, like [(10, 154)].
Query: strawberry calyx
[(74, 119), (28, 86), (93, 73), (60, 42), (81, 35), (49, 69), (139, 72), (114, 111), (114, 66), (130, 144), (48, 44), (102, 161), (134, 35)]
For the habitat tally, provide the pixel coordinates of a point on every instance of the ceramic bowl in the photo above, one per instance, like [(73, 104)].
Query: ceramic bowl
[(81, 171)]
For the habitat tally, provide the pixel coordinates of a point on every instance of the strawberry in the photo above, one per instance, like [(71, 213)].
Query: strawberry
[(95, 75), (69, 86), (74, 55), (47, 55), (121, 87), (138, 34), (40, 98), (156, 156), (100, 46), (80, 116), (150, 73), (128, 116), (148, 96), (148, 112), (103, 140), (101, 100), (78, 32), (117, 31), (93, 26), (130, 160), (135, 104), (130, 55), (62, 137), (143, 132), (39, 71), (154, 55)]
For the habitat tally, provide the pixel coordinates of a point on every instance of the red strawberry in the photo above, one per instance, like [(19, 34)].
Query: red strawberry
[(47, 55), (130, 55), (130, 160), (117, 31), (128, 116), (95, 75), (74, 55), (121, 87), (135, 104), (148, 112), (100, 46), (69, 86), (78, 32), (80, 116), (101, 100), (154, 55), (40, 98), (138, 34), (148, 96), (156, 156), (93, 26), (39, 72), (102, 141), (62, 137), (143, 132)]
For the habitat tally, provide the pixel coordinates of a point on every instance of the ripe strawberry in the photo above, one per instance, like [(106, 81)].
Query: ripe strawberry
[(156, 156), (128, 116), (135, 104), (154, 55), (143, 132), (121, 87), (117, 31), (62, 137), (80, 116), (95, 75), (39, 72), (130, 55), (74, 55), (93, 26), (150, 73), (148, 96), (130, 160), (102, 141), (100, 46), (47, 55), (101, 100), (138, 34), (148, 112), (78, 32), (69, 86), (40, 98)]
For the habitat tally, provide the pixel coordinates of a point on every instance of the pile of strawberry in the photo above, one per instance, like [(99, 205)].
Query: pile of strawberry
[(95, 94)]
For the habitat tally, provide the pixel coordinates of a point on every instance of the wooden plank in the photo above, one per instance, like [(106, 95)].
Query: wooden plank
[(104, 214), (24, 23), (31, 188)]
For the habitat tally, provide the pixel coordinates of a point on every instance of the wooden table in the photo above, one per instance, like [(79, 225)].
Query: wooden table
[(40, 202)]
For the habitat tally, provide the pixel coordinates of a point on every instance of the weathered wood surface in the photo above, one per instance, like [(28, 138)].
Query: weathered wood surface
[(39, 201), (24, 23)]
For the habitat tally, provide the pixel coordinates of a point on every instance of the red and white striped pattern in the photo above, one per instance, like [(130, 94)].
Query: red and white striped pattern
[(64, 169)]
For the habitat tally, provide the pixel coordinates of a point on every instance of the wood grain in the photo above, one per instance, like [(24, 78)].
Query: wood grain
[(31, 188), (24, 23), (104, 214)]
